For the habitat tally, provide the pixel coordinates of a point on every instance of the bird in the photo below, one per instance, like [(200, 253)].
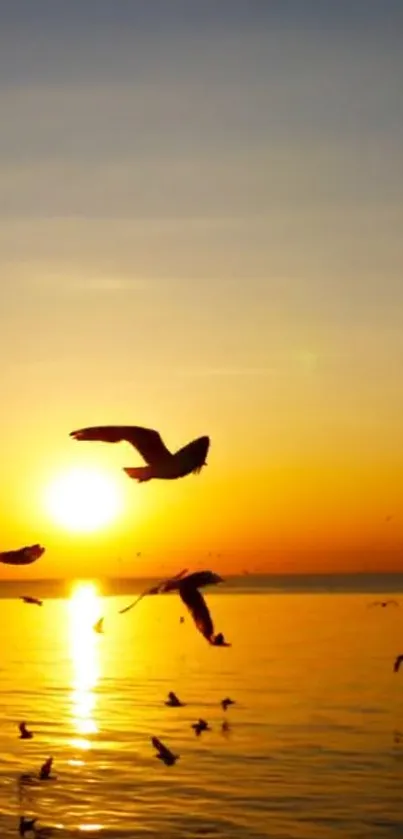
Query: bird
[(153, 590), (173, 701), (164, 753), (34, 600), (383, 603), (191, 597), (226, 702), (26, 825), (225, 727), (25, 734), (98, 626), (397, 663), (22, 556), (45, 770), (200, 726), (181, 619), (161, 463)]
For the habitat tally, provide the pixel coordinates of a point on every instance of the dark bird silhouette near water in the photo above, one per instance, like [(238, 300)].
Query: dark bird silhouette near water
[(164, 753), (226, 702), (397, 663), (99, 626), (157, 589), (34, 600), (195, 602), (383, 603), (161, 463), (22, 556), (24, 733), (26, 825), (225, 727), (200, 726), (173, 701), (46, 768)]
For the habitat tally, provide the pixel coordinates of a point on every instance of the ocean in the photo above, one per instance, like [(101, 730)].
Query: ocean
[(313, 746)]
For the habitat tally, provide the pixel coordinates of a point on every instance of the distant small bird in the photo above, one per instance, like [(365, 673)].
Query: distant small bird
[(157, 589), (181, 619), (164, 753), (226, 702), (99, 626), (22, 556), (200, 726), (33, 600), (173, 701), (397, 736), (45, 770), (161, 463), (225, 727), (397, 663), (24, 733), (26, 825), (383, 603), (191, 597)]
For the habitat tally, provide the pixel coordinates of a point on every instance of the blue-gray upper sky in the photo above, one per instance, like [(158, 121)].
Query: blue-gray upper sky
[(204, 199)]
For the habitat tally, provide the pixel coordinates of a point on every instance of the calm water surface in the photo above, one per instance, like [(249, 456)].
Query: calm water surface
[(310, 752)]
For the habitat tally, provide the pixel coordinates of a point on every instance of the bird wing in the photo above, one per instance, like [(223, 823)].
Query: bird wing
[(194, 454), (22, 556), (393, 602), (197, 606), (147, 441), (161, 749), (397, 663)]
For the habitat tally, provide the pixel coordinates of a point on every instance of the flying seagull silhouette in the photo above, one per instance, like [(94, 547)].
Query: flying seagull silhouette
[(22, 556), (226, 702), (158, 589), (200, 726), (164, 753), (197, 606), (161, 463), (26, 825), (383, 603), (24, 733), (34, 600), (397, 663)]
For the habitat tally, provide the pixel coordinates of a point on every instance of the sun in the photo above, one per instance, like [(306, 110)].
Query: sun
[(83, 500)]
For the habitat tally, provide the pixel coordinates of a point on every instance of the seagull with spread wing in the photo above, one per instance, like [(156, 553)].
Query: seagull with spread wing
[(22, 556), (161, 463), (163, 753)]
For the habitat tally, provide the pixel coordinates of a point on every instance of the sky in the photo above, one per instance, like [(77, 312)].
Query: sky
[(200, 232)]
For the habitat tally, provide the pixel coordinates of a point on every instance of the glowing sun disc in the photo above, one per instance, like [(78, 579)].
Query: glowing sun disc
[(83, 500)]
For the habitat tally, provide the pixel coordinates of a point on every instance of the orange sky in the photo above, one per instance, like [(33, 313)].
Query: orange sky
[(200, 232)]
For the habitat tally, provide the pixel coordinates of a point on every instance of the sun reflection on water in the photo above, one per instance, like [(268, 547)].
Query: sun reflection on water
[(84, 611)]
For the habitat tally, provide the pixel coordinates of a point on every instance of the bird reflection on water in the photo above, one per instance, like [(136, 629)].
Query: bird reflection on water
[(84, 607)]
